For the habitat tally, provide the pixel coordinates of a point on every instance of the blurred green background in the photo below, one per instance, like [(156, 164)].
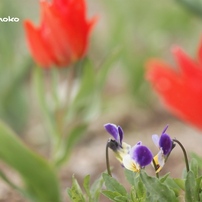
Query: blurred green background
[(139, 29)]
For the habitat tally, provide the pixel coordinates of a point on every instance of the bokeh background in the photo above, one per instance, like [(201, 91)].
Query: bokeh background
[(137, 30)]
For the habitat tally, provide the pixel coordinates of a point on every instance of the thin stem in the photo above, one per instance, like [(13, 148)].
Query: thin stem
[(54, 86), (107, 159), (155, 167), (184, 152)]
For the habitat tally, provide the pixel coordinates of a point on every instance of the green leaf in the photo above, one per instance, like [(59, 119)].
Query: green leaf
[(138, 195), (191, 192), (131, 176), (111, 194), (86, 185), (39, 177), (198, 159), (139, 189), (113, 185), (133, 195), (163, 178), (194, 167), (170, 182), (96, 189), (121, 198), (157, 191), (72, 138), (75, 192), (180, 183), (92, 193)]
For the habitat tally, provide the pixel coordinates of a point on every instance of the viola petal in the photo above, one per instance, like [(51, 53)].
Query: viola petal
[(129, 164), (142, 155), (113, 131), (164, 130), (155, 139), (165, 143), (159, 161), (123, 151), (120, 133)]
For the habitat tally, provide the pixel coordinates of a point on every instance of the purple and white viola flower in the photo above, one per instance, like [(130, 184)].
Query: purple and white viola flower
[(119, 147), (138, 157), (165, 145)]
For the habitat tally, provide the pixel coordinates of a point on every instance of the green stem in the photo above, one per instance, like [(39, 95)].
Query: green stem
[(107, 159), (184, 152), (51, 125), (54, 86)]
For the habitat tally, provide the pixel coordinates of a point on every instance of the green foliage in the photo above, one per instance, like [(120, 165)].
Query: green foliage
[(146, 188), (157, 190), (115, 191), (39, 177), (91, 194), (191, 192)]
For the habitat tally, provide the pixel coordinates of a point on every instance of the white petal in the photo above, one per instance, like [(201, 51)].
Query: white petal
[(161, 158), (121, 152), (155, 139), (130, 164)]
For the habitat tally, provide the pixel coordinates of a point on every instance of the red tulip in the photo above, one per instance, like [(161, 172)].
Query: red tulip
[(62, 37), (180, 89)]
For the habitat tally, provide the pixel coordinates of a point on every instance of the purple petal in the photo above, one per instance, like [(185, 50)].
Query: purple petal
[(164, 130), (142, 155), (113, 130), (165, 143), (120, 133), (137, 145)]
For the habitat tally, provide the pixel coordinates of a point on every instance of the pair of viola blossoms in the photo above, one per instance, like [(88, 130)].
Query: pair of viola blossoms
[(137, 157)]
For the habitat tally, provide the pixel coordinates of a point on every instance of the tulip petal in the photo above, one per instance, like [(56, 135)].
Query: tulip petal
[(188, 66), (39, 48), (62, 37)]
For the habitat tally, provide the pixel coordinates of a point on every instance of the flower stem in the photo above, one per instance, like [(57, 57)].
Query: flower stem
[(155, 167), (107, 159), (184, 152)]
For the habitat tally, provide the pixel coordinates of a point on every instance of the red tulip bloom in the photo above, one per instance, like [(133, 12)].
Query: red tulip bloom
[(181, 88), (62, 36)]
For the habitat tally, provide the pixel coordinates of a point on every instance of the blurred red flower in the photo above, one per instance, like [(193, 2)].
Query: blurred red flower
[(181, 88), (62, 37)]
